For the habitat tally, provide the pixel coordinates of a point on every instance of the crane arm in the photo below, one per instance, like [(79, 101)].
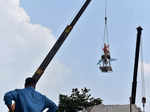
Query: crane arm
[(39, 72)]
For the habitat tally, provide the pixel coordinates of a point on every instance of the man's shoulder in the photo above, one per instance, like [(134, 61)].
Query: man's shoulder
[(40, 94), (33, 91), (15, 91), (18, 90), (23, 90), (29, 91)]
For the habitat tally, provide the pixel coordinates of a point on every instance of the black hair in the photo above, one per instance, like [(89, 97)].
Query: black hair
[(29, 82)]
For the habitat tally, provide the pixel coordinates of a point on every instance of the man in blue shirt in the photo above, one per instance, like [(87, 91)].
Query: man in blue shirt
[(28, 100)]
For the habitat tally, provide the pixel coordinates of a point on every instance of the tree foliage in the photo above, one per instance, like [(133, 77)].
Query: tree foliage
[(78, 100)]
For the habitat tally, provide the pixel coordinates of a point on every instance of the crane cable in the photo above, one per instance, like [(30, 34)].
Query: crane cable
[(142, 78), (106, 40)]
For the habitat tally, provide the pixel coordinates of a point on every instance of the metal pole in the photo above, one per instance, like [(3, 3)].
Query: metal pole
[(39, 72), (134, 84), (130, 105)]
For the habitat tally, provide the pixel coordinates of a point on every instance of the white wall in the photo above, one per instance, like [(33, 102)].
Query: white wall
[(114, 108)]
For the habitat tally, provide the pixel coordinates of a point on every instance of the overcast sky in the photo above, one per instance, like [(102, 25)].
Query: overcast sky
[(29, 28)]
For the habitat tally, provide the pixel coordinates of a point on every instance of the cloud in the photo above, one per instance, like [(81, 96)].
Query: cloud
[(23, 46)]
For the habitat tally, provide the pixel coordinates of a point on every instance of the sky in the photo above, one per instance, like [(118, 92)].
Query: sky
[(29, 28)]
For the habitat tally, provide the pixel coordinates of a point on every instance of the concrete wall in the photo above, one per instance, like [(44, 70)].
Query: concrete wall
[(113, 108)]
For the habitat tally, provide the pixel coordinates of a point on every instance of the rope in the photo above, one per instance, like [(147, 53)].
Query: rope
[(142, 71), (106, 40), (105, 8), (142, 77)]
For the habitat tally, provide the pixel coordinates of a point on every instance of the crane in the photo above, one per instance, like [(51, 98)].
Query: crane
[(39, 72), (134, 83)]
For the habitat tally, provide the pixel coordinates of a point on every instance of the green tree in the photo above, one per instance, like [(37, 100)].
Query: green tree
[(78, 100)]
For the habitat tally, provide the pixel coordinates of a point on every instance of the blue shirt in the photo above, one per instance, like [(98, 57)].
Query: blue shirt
[(29, 100)]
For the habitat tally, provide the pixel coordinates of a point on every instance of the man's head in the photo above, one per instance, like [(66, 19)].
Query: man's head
[(29, 82)]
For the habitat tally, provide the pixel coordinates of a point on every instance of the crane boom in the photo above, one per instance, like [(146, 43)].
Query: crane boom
[(134, 83), (39, 72)]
